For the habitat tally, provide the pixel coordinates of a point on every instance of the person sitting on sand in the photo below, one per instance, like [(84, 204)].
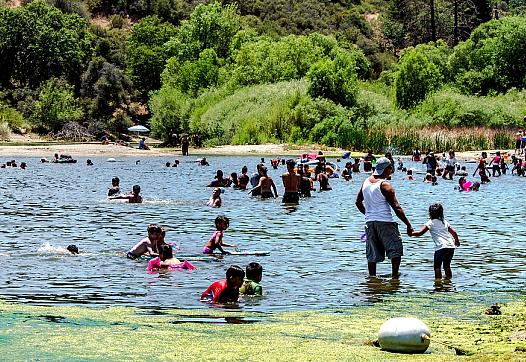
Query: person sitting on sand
[(149, 245), (254, 274), (216, 240), (133, 198), (226, 290), (143, 145), (265, 185), (215, 199)]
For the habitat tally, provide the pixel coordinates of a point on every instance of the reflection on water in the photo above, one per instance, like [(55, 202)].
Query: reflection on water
[(316, 256)]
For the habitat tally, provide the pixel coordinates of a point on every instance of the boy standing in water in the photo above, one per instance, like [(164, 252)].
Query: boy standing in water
[(291, 181)]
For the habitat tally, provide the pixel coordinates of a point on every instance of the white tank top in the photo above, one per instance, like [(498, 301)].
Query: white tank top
[(376, 206)]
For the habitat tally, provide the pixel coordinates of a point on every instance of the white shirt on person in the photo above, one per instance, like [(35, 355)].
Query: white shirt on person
[(440, 234)]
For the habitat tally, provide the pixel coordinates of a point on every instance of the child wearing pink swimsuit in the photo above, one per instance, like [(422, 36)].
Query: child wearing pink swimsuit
[(166, 261), (216, 240)]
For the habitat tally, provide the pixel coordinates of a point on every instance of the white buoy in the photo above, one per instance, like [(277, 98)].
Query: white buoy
[(111, 159), (405, 335)]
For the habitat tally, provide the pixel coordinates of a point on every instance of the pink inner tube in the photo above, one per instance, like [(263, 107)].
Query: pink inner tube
[(467, 185)]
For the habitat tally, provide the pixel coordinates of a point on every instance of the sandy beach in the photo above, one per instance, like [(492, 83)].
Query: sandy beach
[(96, 149)]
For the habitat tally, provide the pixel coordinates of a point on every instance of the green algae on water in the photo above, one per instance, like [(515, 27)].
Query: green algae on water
[(457, 325)]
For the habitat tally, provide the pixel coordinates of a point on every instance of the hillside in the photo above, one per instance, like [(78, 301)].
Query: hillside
[(367, 70)]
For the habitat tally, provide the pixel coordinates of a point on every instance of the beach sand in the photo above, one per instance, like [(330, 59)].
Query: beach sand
[(33, 147)]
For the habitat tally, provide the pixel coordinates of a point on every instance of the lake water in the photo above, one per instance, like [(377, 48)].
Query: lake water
[(316, 257)]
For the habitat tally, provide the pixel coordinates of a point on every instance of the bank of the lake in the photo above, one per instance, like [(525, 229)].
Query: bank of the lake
[(460, 330)]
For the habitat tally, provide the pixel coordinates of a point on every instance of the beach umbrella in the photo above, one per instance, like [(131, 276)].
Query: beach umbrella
[(139, 128)]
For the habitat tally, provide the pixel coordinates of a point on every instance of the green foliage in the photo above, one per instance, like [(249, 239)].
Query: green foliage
[(106, 87), (12, 118), (210, 26), (146, 55), (5, 131), (493, 58), (55, 106), (169, 107), (451, 109), (193, 76), (38, 41), (416, 77), (334, 79)]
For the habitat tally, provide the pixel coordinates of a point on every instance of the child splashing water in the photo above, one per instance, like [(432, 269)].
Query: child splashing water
[(166, 261), (216, 240), (445, 238)]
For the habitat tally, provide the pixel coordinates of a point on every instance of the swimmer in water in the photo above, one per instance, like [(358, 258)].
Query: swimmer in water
[(115, 188), (133, 198), (73, 249), (409, 175), (323, 179), (347, 171), (243, 179), (445, 238), (265, 185), (166, 260), (215, 199), (216, 240), (254, 274), (149, 245), (226, 290), (219, 180)]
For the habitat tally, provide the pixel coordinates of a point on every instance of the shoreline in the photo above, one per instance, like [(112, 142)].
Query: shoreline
[(46, 150)]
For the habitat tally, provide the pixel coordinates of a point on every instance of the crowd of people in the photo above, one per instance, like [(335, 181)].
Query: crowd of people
[(376, 199)]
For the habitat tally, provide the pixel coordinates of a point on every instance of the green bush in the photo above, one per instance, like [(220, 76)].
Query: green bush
[(13, 118), (5, 131), (417, 77), (56, 105)]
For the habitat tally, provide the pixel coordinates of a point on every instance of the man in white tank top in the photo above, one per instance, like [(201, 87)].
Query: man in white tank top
[(375, 200)]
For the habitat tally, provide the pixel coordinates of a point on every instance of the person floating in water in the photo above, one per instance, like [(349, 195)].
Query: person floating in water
[(203, 162), (254, 274), (216, 240), (89, 163), (149, 245), (265, 185), (226, 290), (291, 181), (166, 261), (73, 249), (133, 198), (445, 238), (215, 199)]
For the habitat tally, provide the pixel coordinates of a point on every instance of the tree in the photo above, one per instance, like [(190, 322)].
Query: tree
[(417, 76), (55, 106), (38, 41), (170, 108), (146, 55), (334, 79)]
